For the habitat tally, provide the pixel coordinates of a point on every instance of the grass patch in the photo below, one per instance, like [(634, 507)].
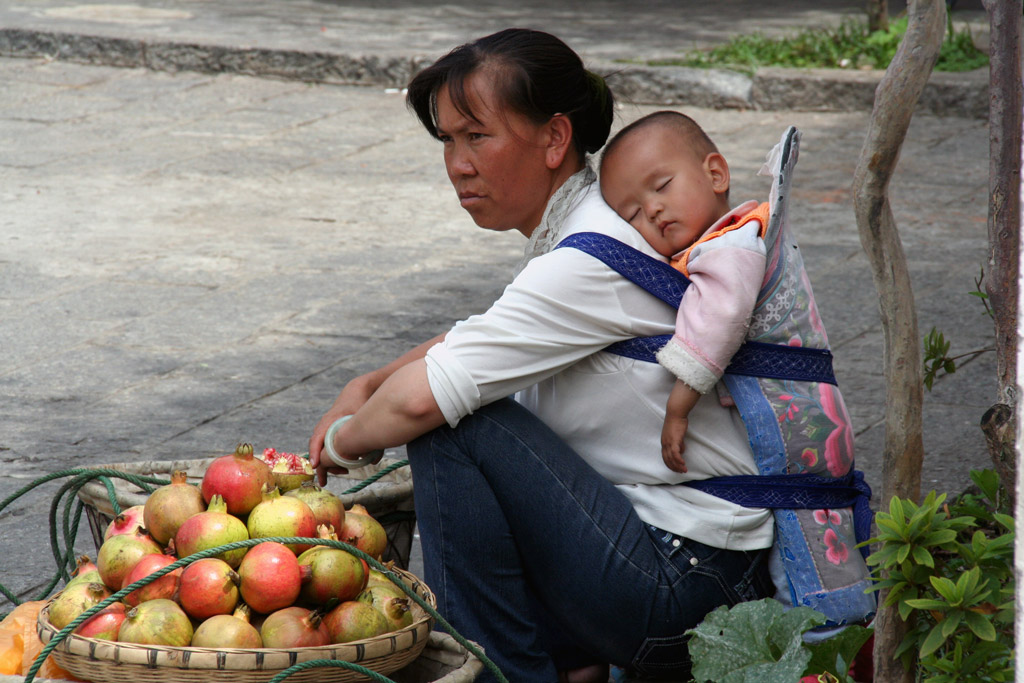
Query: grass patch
[(849, 46)]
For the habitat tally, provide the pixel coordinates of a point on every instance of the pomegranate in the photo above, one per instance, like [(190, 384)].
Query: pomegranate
[(120, 553), (210, 529), (239, 478), (289, 470), (156, 622), (294, 627), (392, 602), (270, 577), (126, 522), (164, 587), (74, 600), (333, 573), (279, 515), (104, 624), (84, 571), (354, 620), (169, 506), (228, 630), (364, 532), (208, 587), (326, 507)]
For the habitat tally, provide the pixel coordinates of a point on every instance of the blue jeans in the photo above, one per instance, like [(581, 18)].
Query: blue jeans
[(538, 558)]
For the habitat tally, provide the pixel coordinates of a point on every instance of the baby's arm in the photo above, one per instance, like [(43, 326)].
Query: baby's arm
[(677, 411), (715, 310)]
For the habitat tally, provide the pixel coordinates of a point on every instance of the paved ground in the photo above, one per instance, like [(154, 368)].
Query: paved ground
[(192, 259)]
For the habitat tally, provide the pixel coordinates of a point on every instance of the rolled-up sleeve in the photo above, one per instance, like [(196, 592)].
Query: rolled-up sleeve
[(564, 306)]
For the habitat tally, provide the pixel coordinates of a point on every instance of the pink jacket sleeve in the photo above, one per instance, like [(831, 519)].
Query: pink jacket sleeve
[(725, 274)]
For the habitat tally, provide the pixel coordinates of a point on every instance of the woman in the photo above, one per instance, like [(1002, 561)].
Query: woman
[(552, 533)]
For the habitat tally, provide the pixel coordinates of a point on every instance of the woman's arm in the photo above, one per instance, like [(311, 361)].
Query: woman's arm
[(352, 398)]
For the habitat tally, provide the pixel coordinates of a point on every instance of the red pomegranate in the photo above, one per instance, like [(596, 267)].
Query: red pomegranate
[(208, 587), (270, 577), (354, 620), (169, 506), (74, 600), (327, 507), (228, 630), (294, 627), (156, 622), (120, 553), (210, 529), (164, 587), (333, 573), (239, 478), (364, 532), (126, 522), (105, 624), (288, 469), (279, 515)]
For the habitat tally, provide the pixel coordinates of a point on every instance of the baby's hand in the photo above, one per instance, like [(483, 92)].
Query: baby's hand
[(672, 445)]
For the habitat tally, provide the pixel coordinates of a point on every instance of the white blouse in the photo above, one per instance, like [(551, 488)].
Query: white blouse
[(542, 341)]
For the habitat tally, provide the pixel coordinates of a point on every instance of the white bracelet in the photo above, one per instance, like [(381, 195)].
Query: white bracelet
[(367, 459)]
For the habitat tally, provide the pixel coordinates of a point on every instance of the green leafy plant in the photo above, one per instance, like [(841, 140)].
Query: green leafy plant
[(849, 45), (936, 349), (949, 570), (759, 641)]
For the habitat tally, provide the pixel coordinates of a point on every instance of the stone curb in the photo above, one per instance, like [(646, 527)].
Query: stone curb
[(947, 94)]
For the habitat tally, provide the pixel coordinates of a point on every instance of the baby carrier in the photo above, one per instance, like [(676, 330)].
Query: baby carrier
[(781, 382)]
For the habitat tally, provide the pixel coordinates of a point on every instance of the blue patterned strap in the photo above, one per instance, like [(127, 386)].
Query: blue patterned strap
[(756, 359), (798, 492)]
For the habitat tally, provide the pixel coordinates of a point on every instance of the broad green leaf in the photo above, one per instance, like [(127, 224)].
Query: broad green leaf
[(933, 641), (843, 646), (939, 537), (951, 622), (903, 553), (980, 625), (987, 481), (945, 588), (927, 603), (922, 556), (1005, 520), (752, 642)]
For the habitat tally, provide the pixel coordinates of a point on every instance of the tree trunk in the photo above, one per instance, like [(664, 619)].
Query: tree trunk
[(878, 15), (895, 99), (1004, 124)]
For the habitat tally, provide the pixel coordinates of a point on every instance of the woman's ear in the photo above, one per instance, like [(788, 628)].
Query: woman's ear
[(559, 140), (717, 169)]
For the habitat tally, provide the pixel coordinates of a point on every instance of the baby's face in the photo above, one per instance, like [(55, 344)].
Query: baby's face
[(662, 188)]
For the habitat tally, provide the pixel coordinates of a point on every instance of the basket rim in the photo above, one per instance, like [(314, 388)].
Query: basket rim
[(397, 483), (394, 643)]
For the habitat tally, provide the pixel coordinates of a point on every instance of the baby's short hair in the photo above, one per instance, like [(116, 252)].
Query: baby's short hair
[(689, 131)]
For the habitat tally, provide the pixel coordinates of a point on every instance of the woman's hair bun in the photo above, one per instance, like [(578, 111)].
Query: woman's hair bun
[(594, 119)]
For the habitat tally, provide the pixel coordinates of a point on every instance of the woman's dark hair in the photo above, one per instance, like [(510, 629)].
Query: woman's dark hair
[(536, 75)]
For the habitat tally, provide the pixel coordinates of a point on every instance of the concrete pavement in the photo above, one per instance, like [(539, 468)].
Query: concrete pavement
[(384, 42), (193, 259)]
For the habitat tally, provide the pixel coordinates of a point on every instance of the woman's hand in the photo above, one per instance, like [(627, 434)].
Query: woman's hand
[(352, 397)]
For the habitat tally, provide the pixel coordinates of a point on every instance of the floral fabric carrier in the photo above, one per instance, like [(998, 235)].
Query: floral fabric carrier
[(799, 429)]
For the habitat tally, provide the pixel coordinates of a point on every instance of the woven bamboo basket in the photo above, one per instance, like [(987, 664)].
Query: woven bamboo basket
[(389, 500), (104, 661)]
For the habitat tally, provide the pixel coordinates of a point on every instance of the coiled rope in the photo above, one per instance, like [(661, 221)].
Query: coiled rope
[(69, 528)]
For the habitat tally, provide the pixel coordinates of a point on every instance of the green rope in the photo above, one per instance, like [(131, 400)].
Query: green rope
[(69, 526), (335, 663), (473, 648), (374, 477)]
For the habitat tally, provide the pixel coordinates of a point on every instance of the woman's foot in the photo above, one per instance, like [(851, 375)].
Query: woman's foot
[(594, 673)]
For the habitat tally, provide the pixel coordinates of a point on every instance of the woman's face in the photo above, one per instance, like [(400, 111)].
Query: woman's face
[(497, 164)]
